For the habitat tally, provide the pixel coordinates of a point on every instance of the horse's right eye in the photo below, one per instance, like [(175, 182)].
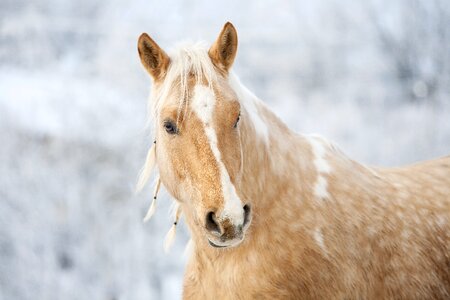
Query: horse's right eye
[(237, 120), (170, 127)]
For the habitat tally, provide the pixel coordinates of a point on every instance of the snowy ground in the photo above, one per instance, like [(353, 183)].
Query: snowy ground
[(72, 120)]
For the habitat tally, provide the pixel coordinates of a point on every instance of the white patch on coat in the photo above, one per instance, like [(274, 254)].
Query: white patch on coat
[(318, 237), (203, 105), (319, 152), (322, 166), (441, 221), (321, 188)]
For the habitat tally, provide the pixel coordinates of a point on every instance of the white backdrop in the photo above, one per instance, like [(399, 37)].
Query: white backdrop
[(373, 77)]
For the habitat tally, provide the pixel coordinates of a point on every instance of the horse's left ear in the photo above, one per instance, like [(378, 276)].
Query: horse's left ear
[(224, 49)]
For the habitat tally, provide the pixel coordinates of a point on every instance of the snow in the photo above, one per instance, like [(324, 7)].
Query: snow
[(373, 77)]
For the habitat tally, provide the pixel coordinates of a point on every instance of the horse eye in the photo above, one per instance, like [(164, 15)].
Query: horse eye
[(170, 127), (237, 120)]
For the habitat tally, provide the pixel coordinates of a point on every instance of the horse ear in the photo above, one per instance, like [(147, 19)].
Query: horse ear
[(223, 51), (153, 58)]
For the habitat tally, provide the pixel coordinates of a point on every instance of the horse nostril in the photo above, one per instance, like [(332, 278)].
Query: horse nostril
[(247, 210), (211, 223)]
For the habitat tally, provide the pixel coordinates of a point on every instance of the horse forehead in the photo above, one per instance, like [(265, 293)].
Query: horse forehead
[(214, 103), (203, 102)]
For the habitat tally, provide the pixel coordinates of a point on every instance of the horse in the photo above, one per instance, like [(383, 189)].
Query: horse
[(274, 214)]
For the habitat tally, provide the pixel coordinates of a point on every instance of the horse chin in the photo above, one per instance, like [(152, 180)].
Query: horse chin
[(225, 245)]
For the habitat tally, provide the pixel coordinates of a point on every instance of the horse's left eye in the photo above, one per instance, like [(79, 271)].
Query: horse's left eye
[(170, 127), (237, 120)]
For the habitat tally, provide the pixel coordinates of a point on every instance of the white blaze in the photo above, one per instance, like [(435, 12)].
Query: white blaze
[(203, 104), (318, 236)]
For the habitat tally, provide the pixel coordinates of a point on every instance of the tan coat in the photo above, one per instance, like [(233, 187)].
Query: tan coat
[(379, 233)]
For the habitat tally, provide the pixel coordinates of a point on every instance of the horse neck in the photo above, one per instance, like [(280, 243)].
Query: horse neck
[(277, 166), (273, 155)]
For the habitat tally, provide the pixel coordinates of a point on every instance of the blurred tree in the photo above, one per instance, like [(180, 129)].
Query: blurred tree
[(414, 36)]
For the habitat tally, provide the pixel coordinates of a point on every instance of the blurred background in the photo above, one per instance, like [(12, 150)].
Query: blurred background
[(372, 76)]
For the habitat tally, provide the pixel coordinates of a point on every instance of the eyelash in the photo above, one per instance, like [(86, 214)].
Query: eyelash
[(237, 121), (171, 128)]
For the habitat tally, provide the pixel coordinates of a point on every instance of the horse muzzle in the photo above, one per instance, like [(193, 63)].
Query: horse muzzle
[(223, 232)]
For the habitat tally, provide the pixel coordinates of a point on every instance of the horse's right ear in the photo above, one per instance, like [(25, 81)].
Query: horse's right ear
[(153, 58), (223, 51)]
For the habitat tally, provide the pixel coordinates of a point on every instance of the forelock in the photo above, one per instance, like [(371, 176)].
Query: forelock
[(189, 61)]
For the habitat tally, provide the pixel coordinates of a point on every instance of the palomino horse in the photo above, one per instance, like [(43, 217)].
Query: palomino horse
[(278, 215)]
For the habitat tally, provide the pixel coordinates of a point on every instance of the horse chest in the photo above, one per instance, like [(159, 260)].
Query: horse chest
[(252, 277), (225, 279)]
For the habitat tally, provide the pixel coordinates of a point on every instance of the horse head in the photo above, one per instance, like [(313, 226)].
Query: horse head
[(197, 122)]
